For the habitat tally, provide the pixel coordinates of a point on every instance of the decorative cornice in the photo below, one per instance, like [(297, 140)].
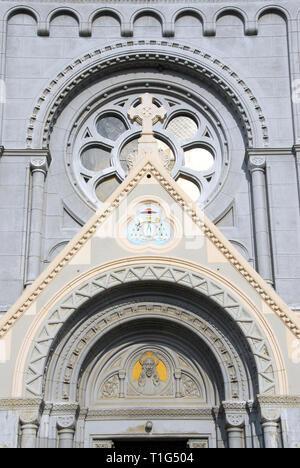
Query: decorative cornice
[(266, 292), (19, 403), (151, 412), (269, 152), (280, 401), (28, 153)]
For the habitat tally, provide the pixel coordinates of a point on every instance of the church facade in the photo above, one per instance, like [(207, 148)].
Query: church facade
[(150, 224)]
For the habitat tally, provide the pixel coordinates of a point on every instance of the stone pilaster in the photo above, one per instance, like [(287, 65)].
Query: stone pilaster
[(39, 168), (235, 413), (257, 168)]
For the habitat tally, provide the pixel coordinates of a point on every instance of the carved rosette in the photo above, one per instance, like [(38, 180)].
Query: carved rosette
[(66, 422), (235, 413)]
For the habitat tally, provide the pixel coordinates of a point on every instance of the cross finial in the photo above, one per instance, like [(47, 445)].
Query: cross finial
[(147, 114)]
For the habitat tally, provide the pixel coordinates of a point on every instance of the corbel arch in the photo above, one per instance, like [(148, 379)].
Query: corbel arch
[(106, 11), (22, 9), (63, 11), (279, 10), (234, 11), (188, 11), (148, 12)]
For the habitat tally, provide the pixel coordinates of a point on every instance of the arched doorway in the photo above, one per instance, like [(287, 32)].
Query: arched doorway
[(150, 363)]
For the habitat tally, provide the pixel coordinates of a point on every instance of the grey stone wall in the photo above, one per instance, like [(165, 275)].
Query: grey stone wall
[(259, 44)]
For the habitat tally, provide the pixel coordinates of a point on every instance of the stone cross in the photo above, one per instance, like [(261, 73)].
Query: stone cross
[(147, 114)]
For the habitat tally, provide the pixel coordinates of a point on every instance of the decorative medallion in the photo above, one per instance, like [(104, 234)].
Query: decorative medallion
[(148, 227)]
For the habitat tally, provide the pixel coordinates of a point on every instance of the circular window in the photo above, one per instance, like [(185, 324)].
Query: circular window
[(199, 159), (188, 143), (110, 127)]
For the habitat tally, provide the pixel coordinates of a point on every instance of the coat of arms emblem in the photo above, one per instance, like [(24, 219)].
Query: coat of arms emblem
[(148, 227)]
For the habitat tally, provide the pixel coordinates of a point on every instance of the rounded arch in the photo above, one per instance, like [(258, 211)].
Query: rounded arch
[(147, 12), (152, 313), (279, 10), (194, 62), (188, 11), (248, 319), (22, 9), (106, 11), (63, 11), (233, 11)]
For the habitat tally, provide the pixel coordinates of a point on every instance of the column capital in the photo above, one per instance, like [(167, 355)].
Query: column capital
[(235, 413), (30, 411), (256, 163), (39, 164), (66, 422), (270, 408)]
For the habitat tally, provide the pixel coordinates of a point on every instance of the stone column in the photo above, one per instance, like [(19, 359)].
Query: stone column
[(257, 167), (39, 168), (28, 437), (122, 376), (29, 422), (177, 376), (66, 431), (235, 423)]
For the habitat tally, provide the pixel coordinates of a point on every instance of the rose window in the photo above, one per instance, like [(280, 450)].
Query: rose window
[(189, 139)]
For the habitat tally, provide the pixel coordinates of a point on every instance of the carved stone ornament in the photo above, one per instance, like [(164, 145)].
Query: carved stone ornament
[(197, 443), (189, 387), (106, 444), (39, 164), (235, 420), (235, 413), (66, 422), (256, 162), (111, 387), (270, 414), (30, 417)]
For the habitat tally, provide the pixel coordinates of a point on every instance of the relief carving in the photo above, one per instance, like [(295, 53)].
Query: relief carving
[(111, 387)]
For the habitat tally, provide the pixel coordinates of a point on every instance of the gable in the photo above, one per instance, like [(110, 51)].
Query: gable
[(103, 240)]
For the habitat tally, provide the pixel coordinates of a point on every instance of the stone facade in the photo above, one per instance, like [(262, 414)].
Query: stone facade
[(138, 235)]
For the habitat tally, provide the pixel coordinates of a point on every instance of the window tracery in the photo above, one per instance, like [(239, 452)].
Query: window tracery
[(189, 145)]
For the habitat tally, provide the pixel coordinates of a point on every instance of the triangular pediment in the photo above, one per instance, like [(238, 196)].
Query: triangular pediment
[(149, 176)]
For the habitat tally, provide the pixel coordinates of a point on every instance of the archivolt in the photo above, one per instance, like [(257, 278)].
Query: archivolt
[(51, 321), (142, 53)]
